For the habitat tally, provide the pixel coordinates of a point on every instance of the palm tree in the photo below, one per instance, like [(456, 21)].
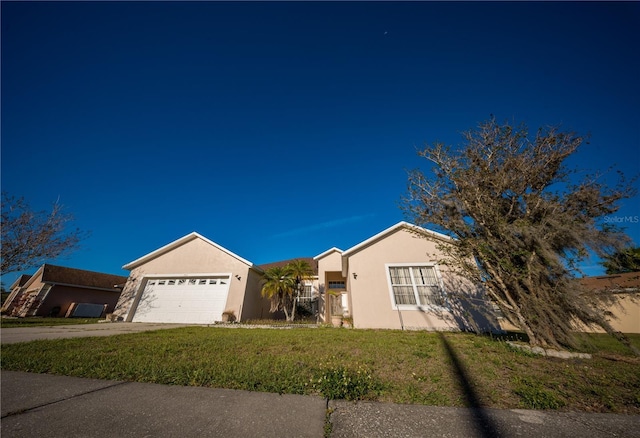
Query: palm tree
[(299, 271), (278, 287)]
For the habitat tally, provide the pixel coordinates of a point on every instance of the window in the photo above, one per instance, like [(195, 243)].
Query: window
[(339, 285), (306, 294), (415, 286)]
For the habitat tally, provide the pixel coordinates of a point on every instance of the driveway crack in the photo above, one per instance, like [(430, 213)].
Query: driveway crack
[(25, 410)]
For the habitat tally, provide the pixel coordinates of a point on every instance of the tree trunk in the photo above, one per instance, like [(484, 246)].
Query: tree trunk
[(293, 310)]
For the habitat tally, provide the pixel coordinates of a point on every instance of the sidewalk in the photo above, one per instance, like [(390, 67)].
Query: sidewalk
[(56, 406)]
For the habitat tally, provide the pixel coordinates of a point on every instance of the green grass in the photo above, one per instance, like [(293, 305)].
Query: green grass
[(36, 321), (389, 366)]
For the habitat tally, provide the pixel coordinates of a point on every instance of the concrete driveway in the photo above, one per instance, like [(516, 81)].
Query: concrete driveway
[(25, 334)]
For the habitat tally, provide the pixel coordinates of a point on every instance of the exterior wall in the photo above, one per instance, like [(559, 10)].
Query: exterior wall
[(193, 257), (626, 314), (17, 295), (63, 296), (370, 297), (23, 303), (254, 306)]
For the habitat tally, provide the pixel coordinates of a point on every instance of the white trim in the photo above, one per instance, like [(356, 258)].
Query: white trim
[(105, 289), (34, 277), (392, 297), (390, 230), (327, 252), (15, 283), (176, 243), (195, 274)]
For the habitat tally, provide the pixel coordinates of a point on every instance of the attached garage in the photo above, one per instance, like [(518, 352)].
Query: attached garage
[(195, 300), (192, 280)]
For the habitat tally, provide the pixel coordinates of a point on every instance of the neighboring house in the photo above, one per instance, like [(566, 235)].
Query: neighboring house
[(191, 280), (625, 288), (60, 291), (395, 280)]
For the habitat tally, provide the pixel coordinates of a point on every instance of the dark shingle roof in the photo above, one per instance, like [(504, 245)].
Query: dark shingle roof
[(79, 277), (313, 263)]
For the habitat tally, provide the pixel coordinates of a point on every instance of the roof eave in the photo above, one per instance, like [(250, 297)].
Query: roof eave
[(181, 241), (393, 229), (327, 252)]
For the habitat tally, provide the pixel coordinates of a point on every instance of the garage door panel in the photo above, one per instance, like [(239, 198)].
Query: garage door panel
[(183, 300)]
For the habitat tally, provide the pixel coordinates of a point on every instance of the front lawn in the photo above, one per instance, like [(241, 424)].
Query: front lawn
[(451, 369)]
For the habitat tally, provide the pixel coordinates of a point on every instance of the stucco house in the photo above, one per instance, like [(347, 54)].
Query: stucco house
[(625, 310), (394, 280), (191, 280), (61, 291)]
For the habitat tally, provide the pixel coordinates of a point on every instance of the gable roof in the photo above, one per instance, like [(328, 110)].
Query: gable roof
[(327, 252), (311, 260), (626, 282), (381, 235), (179, 242), (20, 281), (52, 274)]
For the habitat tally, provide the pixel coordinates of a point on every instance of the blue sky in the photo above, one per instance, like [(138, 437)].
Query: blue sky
[(279, 130)]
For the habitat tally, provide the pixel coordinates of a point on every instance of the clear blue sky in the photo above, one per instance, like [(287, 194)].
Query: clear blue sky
[(279, 130)]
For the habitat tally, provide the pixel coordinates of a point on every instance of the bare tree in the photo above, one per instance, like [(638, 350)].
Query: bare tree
[(521, 224), (30, 238)]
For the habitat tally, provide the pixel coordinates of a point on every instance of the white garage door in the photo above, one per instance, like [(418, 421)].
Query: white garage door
[(183, 300)]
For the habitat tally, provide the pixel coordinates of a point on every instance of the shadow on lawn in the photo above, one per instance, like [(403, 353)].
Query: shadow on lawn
[(484, 425)]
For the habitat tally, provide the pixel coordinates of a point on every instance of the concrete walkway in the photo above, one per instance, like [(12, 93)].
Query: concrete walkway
[(45, 405), (25, 334)]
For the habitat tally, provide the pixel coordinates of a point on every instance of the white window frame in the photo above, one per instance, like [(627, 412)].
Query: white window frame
[(304, 298), (392, 296)]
